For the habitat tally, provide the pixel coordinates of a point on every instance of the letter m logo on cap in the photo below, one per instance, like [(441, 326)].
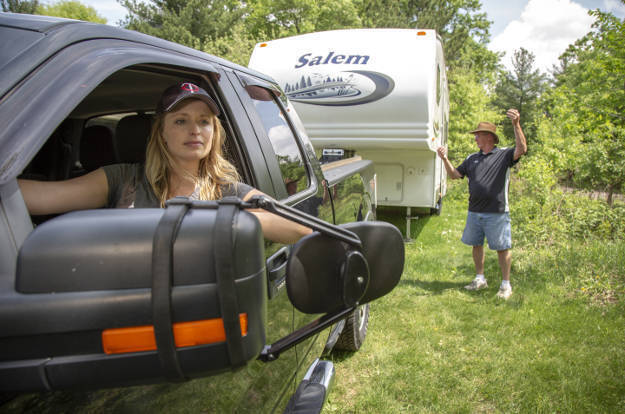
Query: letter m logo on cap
[(190, 87)]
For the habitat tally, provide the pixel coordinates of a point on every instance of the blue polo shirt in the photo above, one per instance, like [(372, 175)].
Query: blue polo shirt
[(489, 178)]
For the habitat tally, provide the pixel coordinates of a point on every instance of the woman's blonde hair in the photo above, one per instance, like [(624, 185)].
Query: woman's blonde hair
[(214, 170)]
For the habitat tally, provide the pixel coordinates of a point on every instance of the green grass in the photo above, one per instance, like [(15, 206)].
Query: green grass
[(557, 345)]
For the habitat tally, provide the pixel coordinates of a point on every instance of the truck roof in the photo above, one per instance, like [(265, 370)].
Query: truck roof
[(28, 40)]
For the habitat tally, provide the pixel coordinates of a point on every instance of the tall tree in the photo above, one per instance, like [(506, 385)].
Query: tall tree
[(272, 19), (588, 103), (71, 9), (237, 46), (384, 13), (460, 23), (20, 6), (469, 103), (192, 23), (521, 89)]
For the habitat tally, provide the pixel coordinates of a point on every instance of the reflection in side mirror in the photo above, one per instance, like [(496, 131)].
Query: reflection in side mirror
[(326, 275)]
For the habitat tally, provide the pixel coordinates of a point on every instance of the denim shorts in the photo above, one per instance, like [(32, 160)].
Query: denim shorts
[(494, 226)]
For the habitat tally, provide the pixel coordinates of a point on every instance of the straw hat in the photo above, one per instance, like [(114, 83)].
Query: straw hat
[(486, 127)]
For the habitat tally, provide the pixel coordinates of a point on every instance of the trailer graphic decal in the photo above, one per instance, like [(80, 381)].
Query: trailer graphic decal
[(354, 87)]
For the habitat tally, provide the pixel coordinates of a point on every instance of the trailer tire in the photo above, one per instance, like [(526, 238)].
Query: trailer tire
[(355, 330), (436, 211)]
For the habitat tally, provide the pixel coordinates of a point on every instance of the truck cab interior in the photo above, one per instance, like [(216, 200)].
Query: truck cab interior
[(112, 125)]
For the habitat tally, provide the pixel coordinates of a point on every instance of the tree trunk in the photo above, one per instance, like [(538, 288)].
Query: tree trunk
[(610, 195)]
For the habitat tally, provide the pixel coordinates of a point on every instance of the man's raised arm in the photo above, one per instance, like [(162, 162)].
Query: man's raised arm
[(520, 147), (452, 172)]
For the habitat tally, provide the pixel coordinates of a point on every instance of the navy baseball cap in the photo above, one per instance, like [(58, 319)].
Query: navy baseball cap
[(181, 91)]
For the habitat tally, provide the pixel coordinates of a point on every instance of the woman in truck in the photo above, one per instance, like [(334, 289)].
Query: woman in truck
[(184, 157)]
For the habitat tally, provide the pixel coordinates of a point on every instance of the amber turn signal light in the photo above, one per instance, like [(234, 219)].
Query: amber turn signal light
[(141, 338)]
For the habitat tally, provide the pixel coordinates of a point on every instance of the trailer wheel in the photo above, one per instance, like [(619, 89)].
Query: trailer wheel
[(436, 211), (355, 330)]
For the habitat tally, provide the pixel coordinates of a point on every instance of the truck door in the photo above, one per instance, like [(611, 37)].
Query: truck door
[(293, 178)]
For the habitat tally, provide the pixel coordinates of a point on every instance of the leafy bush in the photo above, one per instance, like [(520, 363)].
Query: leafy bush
[(532, 198), (543, 213), (593, 219)]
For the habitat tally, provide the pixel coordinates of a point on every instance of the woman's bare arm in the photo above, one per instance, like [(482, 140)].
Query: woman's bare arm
[(276, 228), (53, 197)]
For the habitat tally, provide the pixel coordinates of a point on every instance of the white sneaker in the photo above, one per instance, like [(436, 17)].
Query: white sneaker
[(477, 284), (504, 292)]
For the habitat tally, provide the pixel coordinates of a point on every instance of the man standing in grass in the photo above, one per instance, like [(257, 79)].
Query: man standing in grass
[(488, 171)]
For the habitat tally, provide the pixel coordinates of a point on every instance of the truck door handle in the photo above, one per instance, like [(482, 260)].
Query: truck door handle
[(276, 270)]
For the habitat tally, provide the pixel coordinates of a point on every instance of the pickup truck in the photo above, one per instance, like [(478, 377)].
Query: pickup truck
[(189, 302)]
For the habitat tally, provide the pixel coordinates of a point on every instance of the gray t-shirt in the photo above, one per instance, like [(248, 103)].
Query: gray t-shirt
[(129, 188)]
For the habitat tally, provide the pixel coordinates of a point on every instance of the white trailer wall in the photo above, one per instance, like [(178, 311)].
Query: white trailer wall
[(380, 92)]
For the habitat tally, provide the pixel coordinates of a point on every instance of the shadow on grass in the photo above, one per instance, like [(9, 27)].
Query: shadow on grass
[(341, 356), (126, 399), (417, 226), (434, 287), (53, 401), (484, 295), (397, 217)]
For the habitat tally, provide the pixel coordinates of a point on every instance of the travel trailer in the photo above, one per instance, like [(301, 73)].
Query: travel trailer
[(379, 93)]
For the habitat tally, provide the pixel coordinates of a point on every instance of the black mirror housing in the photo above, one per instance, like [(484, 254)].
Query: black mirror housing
[(327, 275), (383, 247), (86, 273)]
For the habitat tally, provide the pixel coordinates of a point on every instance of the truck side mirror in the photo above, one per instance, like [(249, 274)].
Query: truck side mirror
[(85, 298), (327, 275)]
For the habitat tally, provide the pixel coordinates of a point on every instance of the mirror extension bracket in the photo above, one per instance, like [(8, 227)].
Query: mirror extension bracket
[(273, 351), (277, 208), (304, 219)]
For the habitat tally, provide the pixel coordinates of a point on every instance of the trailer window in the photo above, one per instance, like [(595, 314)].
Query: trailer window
[(284, 143)]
